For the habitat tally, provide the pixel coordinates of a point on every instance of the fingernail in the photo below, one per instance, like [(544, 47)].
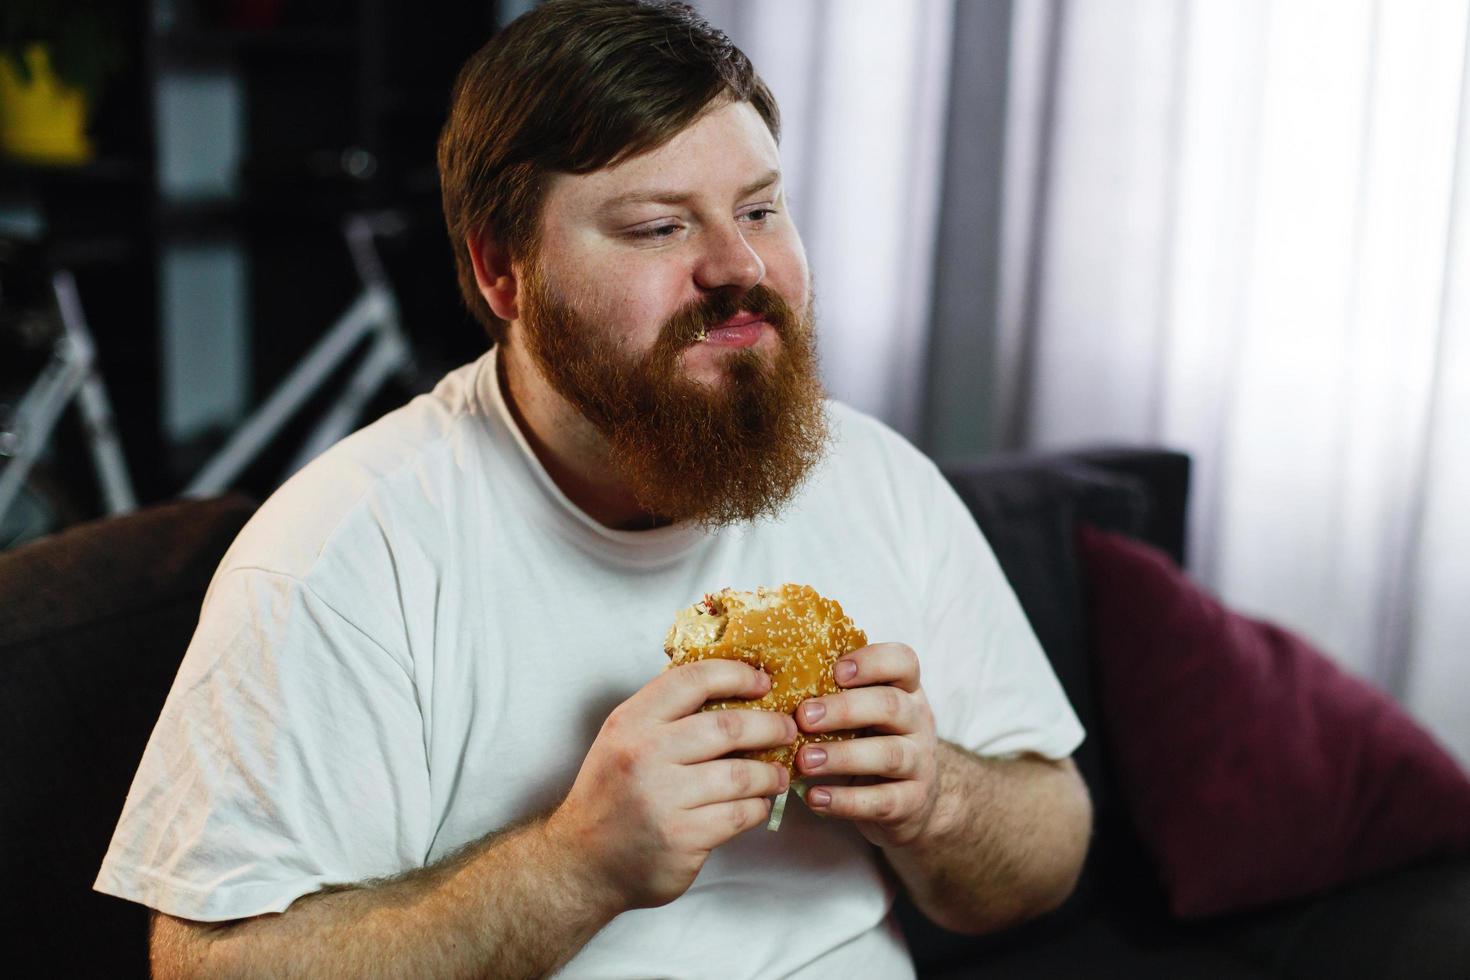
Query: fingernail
[(812, 757), (784, 782), (818, 797), (812, 712), (844, 671)]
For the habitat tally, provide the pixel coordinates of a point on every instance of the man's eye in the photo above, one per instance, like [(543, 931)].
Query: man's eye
[(656, 232), (757, 215)]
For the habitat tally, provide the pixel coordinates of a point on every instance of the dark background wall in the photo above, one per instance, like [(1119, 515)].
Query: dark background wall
[(205, 235)]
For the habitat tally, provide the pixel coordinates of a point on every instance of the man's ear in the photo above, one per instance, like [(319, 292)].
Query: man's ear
[(494, 275)]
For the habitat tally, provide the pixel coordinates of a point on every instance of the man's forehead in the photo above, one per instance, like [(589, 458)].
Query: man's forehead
[(728, 151)]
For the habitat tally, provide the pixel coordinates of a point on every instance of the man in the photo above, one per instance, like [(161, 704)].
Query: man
[(423, 728)]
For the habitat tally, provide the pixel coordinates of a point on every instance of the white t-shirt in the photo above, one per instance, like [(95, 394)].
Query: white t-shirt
[(415, 640)]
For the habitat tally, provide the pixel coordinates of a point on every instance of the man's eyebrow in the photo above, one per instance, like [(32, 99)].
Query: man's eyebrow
[(676, 197)]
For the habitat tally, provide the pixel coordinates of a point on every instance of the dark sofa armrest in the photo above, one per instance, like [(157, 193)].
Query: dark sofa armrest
[(95, 621)]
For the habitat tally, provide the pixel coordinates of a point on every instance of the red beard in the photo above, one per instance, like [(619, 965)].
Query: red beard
[(687, 451)]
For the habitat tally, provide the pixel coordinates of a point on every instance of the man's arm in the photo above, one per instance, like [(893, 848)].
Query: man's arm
[(1005, 843), (517, 904), (654, 796), (980, 844)]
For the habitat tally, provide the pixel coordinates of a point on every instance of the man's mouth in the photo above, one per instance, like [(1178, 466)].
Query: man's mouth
[(741, 330)]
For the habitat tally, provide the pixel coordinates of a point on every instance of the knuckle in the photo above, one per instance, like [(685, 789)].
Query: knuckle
[(722, 673), (891, 702), (730, 724), (624, 760), (740, 777), (740, 814), (671, 836), (925, 713), (692, 677), (885, 804), (760, 811), (836, 713), (910, 659), (614, 723), (895, 758)]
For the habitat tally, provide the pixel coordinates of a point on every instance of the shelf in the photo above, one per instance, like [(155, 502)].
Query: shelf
[(272, 209), (189, 45), (104, 170)]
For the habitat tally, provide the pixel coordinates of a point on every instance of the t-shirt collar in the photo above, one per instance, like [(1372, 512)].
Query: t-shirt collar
[(652, 547)]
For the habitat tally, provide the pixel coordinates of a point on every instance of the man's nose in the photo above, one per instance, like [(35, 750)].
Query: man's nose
[(727, 260)]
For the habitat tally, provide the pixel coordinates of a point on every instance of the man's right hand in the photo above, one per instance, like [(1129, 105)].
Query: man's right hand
[(655, 794)]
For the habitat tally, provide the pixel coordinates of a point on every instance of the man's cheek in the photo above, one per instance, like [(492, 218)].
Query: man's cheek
[(787, 272)]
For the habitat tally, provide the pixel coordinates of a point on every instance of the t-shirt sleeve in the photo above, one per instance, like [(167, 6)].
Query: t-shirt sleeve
[(988, 681), (289, 756)]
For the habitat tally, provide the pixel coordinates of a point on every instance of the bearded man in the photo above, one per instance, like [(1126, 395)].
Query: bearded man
[(423, 727)]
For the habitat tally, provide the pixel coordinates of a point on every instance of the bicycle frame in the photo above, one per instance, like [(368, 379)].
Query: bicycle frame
[(72, 373), (375, 314)]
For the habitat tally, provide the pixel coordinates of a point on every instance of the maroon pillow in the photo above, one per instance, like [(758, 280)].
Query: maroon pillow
[(1256, 770)]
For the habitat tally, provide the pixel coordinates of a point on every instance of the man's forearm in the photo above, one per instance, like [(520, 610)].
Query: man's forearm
[(514, 905), (1005, 843)]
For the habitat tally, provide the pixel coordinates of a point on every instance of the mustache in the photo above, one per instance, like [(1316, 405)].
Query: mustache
[(691, 324)]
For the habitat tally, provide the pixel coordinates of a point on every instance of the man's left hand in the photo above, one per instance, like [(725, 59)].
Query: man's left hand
[(894, 787)]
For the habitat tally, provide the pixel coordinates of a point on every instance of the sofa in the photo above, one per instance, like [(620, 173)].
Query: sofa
[(1411, 921), (95, 619)]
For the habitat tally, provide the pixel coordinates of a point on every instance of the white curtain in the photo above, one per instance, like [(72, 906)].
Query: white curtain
[(862, 87), (1242, 228)]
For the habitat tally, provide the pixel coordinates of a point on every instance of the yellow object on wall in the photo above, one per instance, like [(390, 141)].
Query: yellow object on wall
[(41, 121)]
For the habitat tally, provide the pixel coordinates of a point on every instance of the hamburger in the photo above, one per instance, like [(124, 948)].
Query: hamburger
[(792, 633)]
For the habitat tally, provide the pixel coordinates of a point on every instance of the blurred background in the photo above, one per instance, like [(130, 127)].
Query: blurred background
[(1238, 228)]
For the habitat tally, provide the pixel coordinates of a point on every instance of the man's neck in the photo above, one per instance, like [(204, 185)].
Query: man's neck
[(571, 451)]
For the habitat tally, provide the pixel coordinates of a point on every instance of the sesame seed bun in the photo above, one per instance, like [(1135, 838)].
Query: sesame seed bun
[(792, 633)]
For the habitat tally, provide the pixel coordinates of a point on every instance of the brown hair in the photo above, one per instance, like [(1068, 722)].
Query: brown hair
[(574, 86)]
